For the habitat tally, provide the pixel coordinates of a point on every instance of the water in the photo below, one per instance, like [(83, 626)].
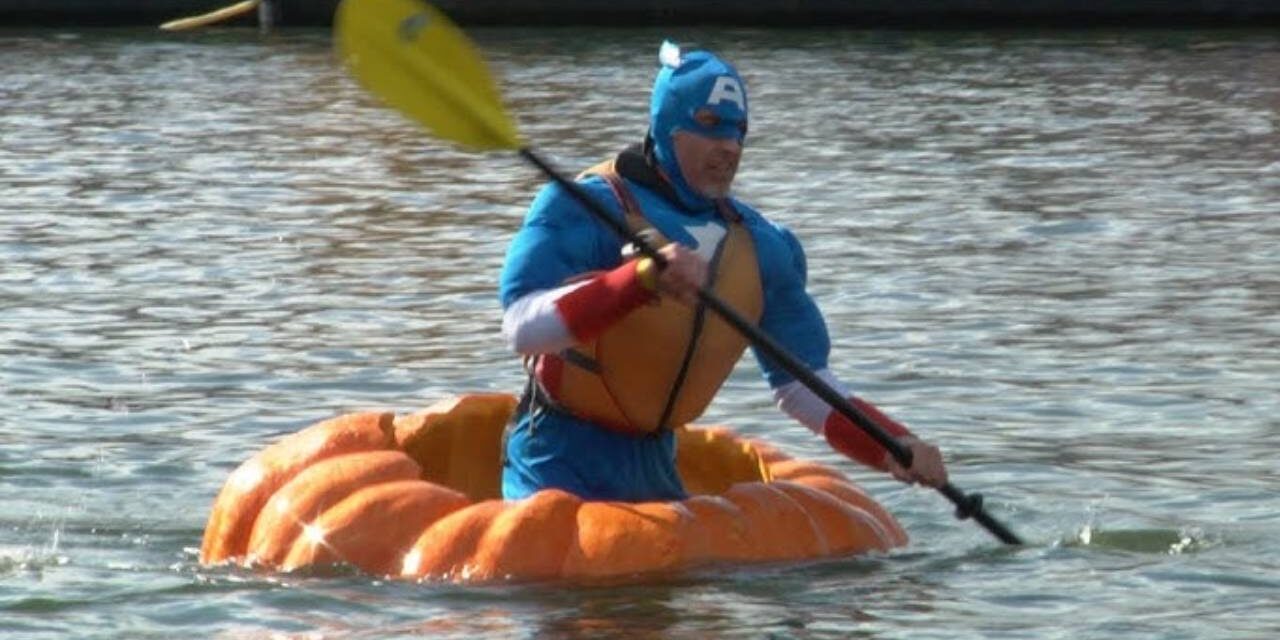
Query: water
[(1052, 253)]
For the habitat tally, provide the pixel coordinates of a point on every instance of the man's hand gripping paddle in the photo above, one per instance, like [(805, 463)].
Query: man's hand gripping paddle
[(412, 57)]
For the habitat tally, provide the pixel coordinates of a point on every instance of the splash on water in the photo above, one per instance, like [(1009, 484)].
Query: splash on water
[(1166, 541), (33, 559)]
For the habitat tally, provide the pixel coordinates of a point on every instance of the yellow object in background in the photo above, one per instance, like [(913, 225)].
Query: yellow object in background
[(225, 13)]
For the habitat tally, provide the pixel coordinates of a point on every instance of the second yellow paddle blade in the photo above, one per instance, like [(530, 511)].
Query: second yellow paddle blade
[(411, 56)]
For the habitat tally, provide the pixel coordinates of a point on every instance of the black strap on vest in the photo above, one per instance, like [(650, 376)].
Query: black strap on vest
[(699, 321)]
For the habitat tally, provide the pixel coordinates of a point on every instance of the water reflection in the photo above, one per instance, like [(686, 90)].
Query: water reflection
[(1051, 252)]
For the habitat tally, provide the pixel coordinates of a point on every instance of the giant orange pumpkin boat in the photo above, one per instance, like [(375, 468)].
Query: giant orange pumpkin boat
[(418, 496)]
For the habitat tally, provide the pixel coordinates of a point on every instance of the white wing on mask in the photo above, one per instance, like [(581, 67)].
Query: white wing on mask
[(669, 54)]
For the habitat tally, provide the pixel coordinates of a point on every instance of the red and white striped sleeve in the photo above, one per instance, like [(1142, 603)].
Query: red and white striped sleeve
[(797, 401), (551, 320)]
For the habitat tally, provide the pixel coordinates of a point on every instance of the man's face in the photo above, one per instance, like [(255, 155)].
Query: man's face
[(708, 164)]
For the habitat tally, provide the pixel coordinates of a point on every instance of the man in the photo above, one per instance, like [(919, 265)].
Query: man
[(620, 351)]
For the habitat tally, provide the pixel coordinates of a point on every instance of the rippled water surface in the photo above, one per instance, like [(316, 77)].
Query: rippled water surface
[(1053, 253)]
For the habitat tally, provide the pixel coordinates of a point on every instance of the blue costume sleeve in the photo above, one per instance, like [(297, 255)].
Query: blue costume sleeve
[(790, 315), (559, 239)]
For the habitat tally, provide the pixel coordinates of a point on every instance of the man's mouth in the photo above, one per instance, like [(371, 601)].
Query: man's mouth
[(722, 170)]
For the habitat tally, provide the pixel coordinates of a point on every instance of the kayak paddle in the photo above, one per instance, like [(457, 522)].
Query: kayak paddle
[(416, 60)]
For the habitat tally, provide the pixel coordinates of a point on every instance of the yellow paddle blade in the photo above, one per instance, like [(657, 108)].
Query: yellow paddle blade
[(416, 60)]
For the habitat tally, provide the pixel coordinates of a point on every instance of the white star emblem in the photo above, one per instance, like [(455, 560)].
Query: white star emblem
[(708, 237)]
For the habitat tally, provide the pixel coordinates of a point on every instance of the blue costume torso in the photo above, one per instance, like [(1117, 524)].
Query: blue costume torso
[(560, 240)]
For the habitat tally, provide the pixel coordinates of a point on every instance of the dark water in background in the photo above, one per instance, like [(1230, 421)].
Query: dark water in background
[(1053, 253)]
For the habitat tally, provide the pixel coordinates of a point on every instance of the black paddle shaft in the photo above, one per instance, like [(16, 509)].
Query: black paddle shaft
[(967, 505)]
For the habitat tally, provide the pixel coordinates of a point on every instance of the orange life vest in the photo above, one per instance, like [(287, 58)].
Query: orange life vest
[(661, 365)]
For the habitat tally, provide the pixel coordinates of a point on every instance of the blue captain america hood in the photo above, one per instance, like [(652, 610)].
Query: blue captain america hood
[(687, 83)]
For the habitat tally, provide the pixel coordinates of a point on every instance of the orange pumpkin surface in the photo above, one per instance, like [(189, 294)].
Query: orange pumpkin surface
[(418, 496)]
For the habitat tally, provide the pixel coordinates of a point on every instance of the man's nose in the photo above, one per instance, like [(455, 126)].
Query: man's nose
[(728, 145)]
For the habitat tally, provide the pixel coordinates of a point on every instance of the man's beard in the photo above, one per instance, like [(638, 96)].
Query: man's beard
[(716, 192)]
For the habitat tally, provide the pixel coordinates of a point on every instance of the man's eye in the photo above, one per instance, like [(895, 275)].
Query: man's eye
[(707, 119), (742, 127)]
